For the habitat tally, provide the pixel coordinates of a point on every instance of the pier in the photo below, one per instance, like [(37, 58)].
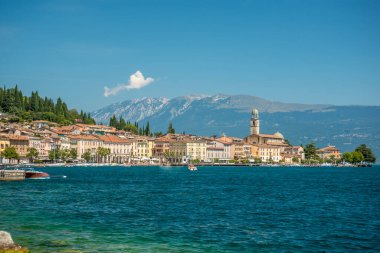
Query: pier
[(12, 175)]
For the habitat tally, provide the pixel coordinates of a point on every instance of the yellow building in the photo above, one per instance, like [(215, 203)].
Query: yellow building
[(21, 143), (328, 152), (177, 151), (142, 148), (269, 153), (196, 149), (161, 147), (4, 142)]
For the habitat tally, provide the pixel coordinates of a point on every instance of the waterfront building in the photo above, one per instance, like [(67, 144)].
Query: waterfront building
[(4, 143), (177, 151), (36, 142), (239, 149), (21, 143), (269, 153), (256, 138), (196, 150), (328, 152), (268, 147), (250, 151), (161, 147), (292, 154), (85, 143), (142, 148), (218, 151), (120, 149), (64, 143)]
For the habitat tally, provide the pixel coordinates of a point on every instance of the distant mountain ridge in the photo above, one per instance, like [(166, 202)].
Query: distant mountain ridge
[(143, 108), (344, 126)]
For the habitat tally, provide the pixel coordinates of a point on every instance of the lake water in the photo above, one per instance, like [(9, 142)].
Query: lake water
[(215, 209)]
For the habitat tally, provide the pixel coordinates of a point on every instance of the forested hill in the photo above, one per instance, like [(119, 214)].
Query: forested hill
[(35, 107)]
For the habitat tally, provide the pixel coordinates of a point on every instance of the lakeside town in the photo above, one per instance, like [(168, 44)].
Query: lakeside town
[(45, 143)]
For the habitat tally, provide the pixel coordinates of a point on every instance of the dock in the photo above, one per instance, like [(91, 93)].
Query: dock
[(12, 175)]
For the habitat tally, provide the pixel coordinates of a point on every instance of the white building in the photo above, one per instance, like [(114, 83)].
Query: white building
[(218, 150)]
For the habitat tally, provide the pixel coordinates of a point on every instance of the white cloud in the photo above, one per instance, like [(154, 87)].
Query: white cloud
[(136, 81)]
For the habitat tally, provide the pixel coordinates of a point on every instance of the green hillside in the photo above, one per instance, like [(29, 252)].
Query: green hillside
[(34, 107)]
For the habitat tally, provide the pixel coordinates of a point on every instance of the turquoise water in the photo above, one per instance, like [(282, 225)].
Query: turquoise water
[(215, 209)]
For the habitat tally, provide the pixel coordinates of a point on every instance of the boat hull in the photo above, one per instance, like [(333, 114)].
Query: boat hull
[(36, 175)]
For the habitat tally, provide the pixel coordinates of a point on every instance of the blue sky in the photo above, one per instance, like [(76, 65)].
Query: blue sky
[(305, 51)]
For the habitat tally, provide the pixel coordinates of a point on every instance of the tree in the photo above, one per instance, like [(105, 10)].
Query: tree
[(147, 129), (10, 153), (357, 157), (311, 151), (367, 153), (113, 121), (64, 154), (347, 157), (196, 161), (35, 107), (32, 154), (54, 154), (73, 153), (295, 160), (171, 129), (103, 152), (87, 155)]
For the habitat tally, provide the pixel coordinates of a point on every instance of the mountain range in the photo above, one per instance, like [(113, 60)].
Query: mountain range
[(343, 126)]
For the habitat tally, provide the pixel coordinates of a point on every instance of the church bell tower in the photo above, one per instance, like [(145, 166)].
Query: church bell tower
[(255, 122)]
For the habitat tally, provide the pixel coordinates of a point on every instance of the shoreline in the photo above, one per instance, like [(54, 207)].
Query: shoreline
[(37, 166)]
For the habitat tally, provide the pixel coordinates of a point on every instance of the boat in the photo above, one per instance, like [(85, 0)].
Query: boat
[(192, 167), (35, 174)]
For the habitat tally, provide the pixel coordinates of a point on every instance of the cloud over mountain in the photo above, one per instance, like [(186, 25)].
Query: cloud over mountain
[(136, 81)]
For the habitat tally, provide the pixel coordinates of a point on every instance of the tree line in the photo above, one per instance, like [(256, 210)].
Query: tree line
[(361, 154), (35, 107), (135, 128)]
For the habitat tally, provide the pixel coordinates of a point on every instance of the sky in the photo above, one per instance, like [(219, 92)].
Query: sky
[(94, 53)]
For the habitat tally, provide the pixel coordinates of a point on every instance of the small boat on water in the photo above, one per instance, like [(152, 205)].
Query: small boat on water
[(34, 174), (192, 167)]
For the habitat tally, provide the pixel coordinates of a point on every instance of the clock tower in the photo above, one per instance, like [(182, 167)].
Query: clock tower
[(255, 122)]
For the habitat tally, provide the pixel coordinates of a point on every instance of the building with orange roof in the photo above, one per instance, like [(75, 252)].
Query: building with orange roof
[(195, 150), (328, 152), (142, 148), (257, 139), (21, 143), (269, 153), (293, 154), (161, 147), (219, 150), (120, 148), (4, 142), (96, 129), (84, 143)]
